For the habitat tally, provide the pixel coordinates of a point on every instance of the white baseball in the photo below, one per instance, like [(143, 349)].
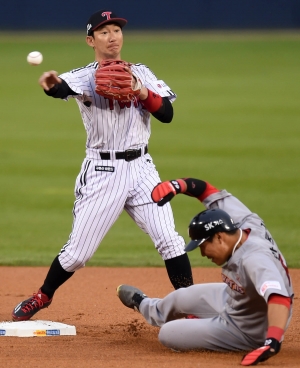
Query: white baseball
[(34, 58)]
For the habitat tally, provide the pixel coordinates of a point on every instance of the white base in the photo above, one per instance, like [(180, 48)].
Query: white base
[(36, 328)]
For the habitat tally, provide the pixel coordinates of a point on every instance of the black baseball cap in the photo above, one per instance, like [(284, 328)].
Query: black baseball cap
[(102, 17), (206, 224)]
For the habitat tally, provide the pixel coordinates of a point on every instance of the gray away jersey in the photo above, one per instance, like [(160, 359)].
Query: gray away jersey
[(255, 271)]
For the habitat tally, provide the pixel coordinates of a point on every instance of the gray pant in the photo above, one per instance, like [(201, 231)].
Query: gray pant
[(213, 330)]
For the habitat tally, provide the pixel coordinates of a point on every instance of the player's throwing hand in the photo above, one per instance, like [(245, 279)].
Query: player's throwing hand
[(49, 79)]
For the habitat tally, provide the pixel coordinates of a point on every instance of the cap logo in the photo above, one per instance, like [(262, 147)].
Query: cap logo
[(211, 225), (106, 14)]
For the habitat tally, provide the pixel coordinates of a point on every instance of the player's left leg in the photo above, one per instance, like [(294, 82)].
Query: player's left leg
[(212, 330), (158, 222), (216, 334), (201, 300)]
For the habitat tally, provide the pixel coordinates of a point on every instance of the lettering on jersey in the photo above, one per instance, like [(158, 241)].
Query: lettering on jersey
[(122, 104), (232, 284), (105, 168), (267, 234), (279, 258), (275, 253), (269, 285), (269, 237), (211, 225)]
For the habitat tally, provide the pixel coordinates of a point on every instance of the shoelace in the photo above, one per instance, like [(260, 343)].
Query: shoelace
[(34, 302)]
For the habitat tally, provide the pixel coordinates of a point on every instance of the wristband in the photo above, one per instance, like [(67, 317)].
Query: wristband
[(275, 333), (153, 101)]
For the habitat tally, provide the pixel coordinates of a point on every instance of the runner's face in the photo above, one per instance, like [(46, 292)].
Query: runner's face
[(107, 42), (218, 251)]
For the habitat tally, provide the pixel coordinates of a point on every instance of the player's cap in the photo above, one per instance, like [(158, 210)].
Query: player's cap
[(206, 224), (102, 17)]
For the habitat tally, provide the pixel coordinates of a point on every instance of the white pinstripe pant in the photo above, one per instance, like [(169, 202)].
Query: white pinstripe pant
[(101, 196)]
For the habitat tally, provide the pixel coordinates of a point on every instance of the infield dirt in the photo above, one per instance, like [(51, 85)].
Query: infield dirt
[(109, 334)]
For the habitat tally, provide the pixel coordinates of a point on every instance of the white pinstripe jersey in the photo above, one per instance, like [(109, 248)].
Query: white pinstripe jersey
[(111, 124)]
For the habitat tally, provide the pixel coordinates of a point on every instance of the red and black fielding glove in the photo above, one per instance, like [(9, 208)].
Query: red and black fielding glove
[(165, 191), (270, 348)]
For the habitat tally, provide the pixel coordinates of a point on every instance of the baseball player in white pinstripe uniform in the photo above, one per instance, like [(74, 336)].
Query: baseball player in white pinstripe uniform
[(252, 307), (117, 172)]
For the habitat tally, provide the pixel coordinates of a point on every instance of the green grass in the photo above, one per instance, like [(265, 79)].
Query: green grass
[(236, 125)]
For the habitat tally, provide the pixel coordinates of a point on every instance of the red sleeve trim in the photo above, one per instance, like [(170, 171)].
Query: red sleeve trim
[(279, 299), (208, 191), (153, 101)]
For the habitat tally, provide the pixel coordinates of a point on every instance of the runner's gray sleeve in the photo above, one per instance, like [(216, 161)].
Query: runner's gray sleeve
[(265, 276), (240, 214)]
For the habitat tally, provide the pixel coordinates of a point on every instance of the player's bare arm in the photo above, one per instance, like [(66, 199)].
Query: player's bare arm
[(278, 314)]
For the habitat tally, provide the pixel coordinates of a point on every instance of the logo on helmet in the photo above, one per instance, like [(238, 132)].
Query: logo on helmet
[(211, 225)]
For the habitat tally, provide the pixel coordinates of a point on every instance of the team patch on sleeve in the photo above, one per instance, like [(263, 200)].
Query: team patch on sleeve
[(161, 88), (105, 168), (269, 285)]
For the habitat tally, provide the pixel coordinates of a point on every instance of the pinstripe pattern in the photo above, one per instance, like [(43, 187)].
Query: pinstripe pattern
[(111, 124), (101, 196)]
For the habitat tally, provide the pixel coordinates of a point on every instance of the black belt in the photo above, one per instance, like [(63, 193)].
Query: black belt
[(128, 155)]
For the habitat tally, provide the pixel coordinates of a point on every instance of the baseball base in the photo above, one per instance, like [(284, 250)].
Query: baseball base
[(36, 328)]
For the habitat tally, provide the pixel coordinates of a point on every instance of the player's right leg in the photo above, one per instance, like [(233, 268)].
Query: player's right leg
[(42, 299), (95, 210), (29, 307)]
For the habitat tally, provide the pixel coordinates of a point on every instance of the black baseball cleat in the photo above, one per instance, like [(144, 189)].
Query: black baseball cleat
[(29, 307), (130, 296)]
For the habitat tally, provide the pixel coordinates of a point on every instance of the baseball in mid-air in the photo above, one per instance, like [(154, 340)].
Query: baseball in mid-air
[(34, 58)]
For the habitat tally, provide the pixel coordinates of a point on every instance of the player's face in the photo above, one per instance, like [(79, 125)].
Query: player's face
[(107, 42), (217, 250)]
